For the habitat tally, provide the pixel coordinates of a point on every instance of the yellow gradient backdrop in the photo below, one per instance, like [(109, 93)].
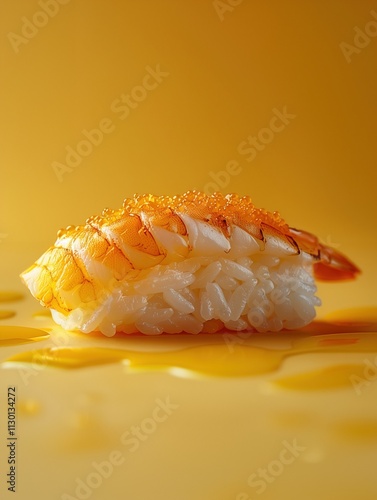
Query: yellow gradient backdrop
[(219, 72)]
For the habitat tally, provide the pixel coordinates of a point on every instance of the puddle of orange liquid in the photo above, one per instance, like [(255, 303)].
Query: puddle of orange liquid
[(210, 360), (325, 378), (217, 359), (13, 335), (207, 359), (336, 342), (358, 319)]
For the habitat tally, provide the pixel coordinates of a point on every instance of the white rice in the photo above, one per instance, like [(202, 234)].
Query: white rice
[(258, 293)]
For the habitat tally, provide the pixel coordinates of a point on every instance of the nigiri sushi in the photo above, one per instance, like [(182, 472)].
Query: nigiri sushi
[(188, 263)]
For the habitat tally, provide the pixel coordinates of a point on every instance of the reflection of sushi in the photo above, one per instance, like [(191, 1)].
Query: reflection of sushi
[(187, 263)]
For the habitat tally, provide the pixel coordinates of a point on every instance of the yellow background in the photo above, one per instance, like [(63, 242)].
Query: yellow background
[(227, 72)]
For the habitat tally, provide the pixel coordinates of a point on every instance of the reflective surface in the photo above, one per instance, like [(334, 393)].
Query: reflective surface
[(109, 408), (275, 100)]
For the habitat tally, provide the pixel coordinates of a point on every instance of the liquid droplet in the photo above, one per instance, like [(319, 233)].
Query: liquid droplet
[(84, 431), (8, 296), (357, 430), (7, 314), (28, 407), (42, 314)]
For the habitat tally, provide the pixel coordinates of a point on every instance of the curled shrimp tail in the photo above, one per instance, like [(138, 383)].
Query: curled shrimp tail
[(329, 264), (334, 266)]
